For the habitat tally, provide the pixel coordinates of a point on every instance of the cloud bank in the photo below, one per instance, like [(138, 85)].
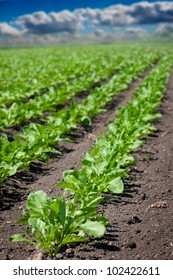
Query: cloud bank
[(103, 22), (42, 23)]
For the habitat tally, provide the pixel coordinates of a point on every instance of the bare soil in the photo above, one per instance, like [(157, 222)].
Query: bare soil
[(141, 220)]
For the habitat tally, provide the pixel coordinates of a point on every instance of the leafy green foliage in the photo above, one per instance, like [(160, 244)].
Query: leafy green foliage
[(20, 112), (56, 222), (37, 140)]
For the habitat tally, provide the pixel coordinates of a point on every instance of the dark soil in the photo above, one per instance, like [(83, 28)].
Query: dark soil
[(141, 220)]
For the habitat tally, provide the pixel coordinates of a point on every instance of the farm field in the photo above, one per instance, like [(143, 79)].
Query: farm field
[(86, 147)]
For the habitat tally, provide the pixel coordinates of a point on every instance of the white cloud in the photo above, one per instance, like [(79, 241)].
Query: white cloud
[(8, 30), (127, 34), (165, 29), (121, 15), (110, 18), (135, 33), (151, 13), (103, 35), (42, 23), (135, 30)]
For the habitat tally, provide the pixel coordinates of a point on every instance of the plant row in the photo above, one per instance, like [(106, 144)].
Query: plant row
[(22, 62), (36, 141), (32, 74), (20, 112), (51, 223)]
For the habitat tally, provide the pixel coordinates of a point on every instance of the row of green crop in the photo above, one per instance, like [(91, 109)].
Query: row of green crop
[(36, 141), (20, 112), (42, 70), (51, 223), (44, 61), (25, 65)]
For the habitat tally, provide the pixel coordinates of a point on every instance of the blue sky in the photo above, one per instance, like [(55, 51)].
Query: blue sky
[(55, 21), (10, 9)]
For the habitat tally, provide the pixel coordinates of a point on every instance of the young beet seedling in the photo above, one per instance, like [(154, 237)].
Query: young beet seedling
[(53, 223)]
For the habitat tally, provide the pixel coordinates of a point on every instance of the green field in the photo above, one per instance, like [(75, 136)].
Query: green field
[(45, 94)]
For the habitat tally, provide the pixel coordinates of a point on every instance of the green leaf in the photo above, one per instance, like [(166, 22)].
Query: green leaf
[(116, 186), (72, 238), (62, 210), (55, 206), (19, 238), (97, 229), (99, 166), (65, 185), (136, 144), (95, 201), (70, 175), (85, 212), (112, 127), (36, 203), (86, 121), (24, 219), (37, 224)]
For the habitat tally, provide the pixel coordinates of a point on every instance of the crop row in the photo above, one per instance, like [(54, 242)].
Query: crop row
[(36, 141), (40, 72), (53, 222), (20, 112), (25, 64)]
